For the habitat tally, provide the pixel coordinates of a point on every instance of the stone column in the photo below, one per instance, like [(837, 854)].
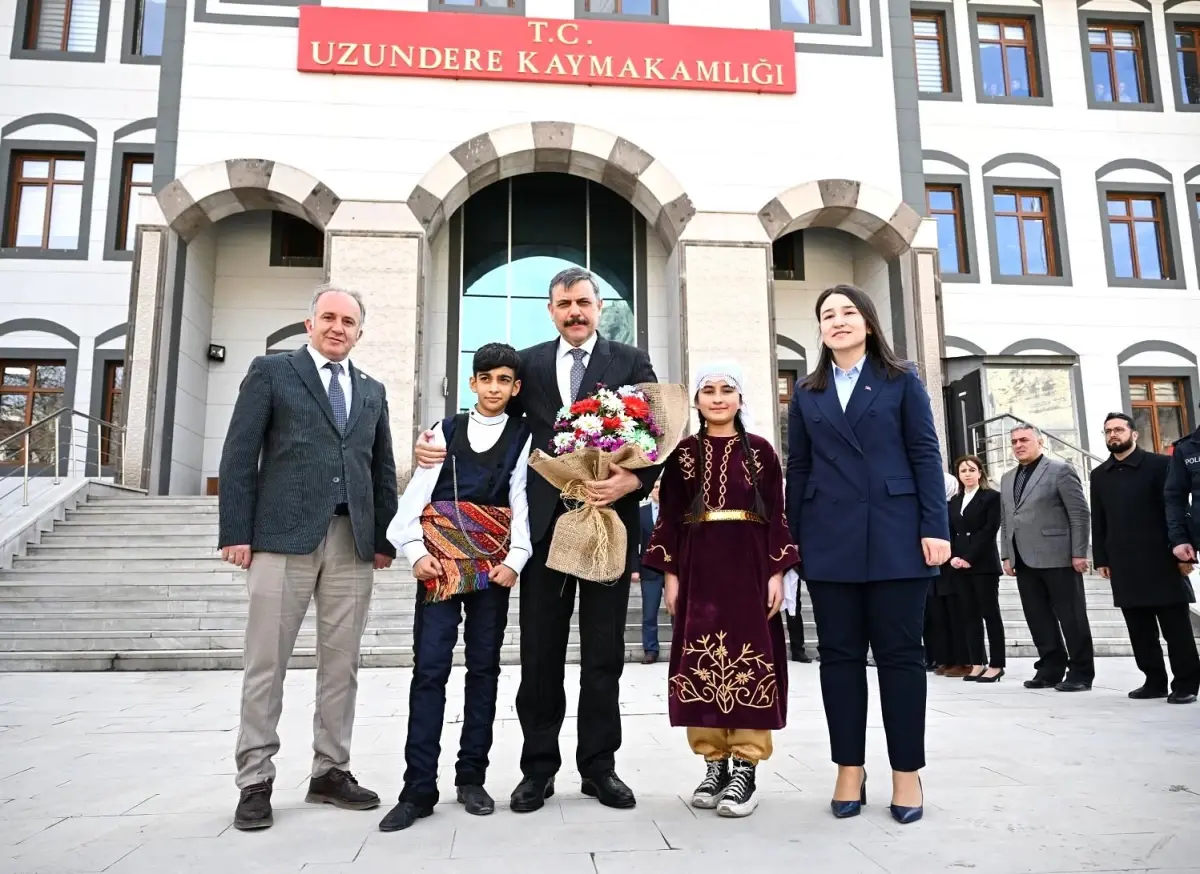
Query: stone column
[(927, 345), (379, 250), (725, 290)]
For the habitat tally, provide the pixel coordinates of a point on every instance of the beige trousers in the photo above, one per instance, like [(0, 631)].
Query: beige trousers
[(753, 745), (281, 588)]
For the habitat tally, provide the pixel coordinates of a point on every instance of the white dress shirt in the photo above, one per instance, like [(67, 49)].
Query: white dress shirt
[(845, 380), (326, 375), (405, 533), (967, 495), (566, 361)]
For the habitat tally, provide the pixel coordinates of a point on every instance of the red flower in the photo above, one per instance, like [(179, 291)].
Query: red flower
[(612, 423), (588, 405), (636, 407)]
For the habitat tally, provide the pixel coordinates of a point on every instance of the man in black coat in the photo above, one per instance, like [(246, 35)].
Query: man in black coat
[(555, 375), (1131, 548), (1183, 482)]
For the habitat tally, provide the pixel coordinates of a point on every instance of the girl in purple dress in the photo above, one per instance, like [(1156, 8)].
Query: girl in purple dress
[(722, 542)]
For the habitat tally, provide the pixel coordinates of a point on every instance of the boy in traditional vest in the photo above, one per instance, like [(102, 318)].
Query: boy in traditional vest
[(464, 528)]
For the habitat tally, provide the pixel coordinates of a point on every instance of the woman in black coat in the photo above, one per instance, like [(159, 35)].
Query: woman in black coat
[(974, 524)]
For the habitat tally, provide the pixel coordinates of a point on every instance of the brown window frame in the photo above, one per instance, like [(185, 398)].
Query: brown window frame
[(1144, 95), (17, 183), (33, 21), (1046, 216), (1029, 44), (478, 4), (939, 20), (125, 200), (1194, 30), (111, 398), (1152, 405), (843, 16), (1166, 267), (30, 391), (960, 221)]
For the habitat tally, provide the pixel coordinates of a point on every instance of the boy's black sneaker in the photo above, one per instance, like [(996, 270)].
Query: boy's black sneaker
[(254, 808), (476, 800), (738, 798), (712, 787)]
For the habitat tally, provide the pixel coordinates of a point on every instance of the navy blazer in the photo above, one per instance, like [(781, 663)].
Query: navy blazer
[(649, 574), (865, 485)]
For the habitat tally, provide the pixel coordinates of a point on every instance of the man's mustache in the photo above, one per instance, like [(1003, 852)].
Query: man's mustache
[(576, 320)]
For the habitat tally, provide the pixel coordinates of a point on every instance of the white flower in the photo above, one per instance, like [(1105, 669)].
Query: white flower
[(564, 442), (610, 404), (628, 391), (589, 424), (564, 413), (629, 428)]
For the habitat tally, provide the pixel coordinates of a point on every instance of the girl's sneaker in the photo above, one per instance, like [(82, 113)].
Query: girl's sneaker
[(738, 798), (711, 788)]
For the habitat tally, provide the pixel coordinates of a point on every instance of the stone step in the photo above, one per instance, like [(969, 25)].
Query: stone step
[(141, 509), (131, 541), (170, 501), (95, 526)]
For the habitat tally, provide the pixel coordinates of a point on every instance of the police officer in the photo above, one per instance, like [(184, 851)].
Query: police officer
[(1183, 480)]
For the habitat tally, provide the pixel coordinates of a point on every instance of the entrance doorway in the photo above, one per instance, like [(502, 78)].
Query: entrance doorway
[(507, 242)]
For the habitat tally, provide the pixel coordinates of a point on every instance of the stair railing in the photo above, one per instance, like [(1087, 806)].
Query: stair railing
[(990, 441), (37, 450)]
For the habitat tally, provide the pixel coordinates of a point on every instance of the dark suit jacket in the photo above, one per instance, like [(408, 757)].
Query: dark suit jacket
[(973, 533), (611, 364), (646, 527), (1051, 524), (865, 485), (285, 504)]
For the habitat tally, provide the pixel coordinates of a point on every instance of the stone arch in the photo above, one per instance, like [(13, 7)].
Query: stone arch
[(876, 216), (205, 195), (1155, 346), (965, 345), (555, 147), (44, 326)]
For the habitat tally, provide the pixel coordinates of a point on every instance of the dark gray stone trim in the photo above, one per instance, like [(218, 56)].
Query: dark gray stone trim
[(45, 326), (65, 424), (1193, 201), (1035, 344), (285, 333), (1058, 231), (290, 4), (788, 343), (854, 28), (1173, 60), (908, 113), (951, 46), (946, 158), (20, 28), (518, 8), (641, 282), (202, 14), (873, 50), (965, 345), (1133, 164), (170, 87), (1020, 158), (1155, 346), (1041, 55), (1191, 174), (116, 187), (1167, 191), (1191, 384), (454, 311), (100, 360), (662, 16), (56, 118), (129, 32), (968, 221), (88, 150), (900, 305), (135, 127), (839, 200), (1145, 21), (111, 334), (171, 388)]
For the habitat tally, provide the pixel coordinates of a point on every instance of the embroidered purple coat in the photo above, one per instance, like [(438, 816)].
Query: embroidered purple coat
[(728, 665)]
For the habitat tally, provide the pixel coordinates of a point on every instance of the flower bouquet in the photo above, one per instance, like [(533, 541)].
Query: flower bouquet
[(633, 427)]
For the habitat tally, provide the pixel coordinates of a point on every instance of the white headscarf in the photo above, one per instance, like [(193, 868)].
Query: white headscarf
[(728, 372)]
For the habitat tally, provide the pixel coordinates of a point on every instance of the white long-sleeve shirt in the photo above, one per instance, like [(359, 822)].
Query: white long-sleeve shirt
[(405, 533)]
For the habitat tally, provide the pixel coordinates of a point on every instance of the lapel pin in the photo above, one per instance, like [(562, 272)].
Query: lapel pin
[(867, 387)]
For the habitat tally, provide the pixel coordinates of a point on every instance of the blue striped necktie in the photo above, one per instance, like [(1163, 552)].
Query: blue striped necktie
[(337, 400)]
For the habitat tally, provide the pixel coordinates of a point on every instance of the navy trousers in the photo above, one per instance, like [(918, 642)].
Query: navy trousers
[(887, 616), (435, 635), (652, 592)]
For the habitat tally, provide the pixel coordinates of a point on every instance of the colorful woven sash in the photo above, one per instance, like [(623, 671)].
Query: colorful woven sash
[(467, 541)]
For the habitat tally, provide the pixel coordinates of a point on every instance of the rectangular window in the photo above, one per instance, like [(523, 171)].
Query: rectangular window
[(1187, 55), (1118, 63), (1138, 233), (787, 256), (63, 25), (826, 12), (1024, 232), (622, 7), (1159, 411), (45, 201), (929, 43), (1007, 60), (491, 4), (30, 391), (137, 171), (944, 203), (295, 243), (114, 386), (148, 27)]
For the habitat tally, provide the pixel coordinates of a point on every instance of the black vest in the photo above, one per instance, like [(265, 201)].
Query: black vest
[(483, 477)]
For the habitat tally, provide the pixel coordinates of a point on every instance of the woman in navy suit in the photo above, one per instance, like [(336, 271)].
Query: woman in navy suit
[(867, 506)]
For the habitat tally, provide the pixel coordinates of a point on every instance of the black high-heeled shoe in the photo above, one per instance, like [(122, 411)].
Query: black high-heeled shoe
[(993, 679), (971, 678), (907, 815), (845, 809)]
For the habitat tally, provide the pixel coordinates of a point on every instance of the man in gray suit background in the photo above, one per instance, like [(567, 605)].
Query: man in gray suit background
[(1044, 539), (309, 520)]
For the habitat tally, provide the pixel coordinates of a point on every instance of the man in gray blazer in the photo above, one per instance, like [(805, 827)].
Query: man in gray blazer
[(1044, 539), (309, 520)]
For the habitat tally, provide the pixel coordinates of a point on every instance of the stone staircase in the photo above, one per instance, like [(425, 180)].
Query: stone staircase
[(135, 583)]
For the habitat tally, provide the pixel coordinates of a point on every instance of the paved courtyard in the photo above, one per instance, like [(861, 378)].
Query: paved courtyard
[(127, 773)]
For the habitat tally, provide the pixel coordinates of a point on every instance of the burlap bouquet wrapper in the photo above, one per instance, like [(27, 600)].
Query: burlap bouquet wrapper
[(589, 543)]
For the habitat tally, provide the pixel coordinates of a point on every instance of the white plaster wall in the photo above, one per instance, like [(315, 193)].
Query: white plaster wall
[(829, 259), (191, 394), (1090, 318), (250, 301)]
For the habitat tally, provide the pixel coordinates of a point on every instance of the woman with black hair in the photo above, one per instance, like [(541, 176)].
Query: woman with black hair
[(867, 506), (722, 543)]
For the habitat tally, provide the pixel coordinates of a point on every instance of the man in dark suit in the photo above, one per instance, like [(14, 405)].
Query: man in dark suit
[(310, 519), (554, 375), (1044, 541), (650, 579)]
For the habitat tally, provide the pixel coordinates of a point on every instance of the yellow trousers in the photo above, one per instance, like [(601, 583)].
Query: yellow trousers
[(752, 745)]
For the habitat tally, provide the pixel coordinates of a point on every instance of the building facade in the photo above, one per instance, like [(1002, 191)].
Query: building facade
[(1010, 183)]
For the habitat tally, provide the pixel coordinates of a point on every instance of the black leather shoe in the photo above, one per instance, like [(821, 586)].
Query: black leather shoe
[(254, 808), (1073, 686), (339, 788), (1145, 693), (609, 790), (1040, 683), (531, 794), (1181, 698), (476, 800), (801, 656), (402, 816)]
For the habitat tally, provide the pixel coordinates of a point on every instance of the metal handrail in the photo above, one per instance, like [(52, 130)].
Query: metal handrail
[(55, 418), (57, 414), (1055, 437)]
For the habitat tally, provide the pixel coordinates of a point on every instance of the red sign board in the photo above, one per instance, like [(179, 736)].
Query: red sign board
[(457, 45)]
